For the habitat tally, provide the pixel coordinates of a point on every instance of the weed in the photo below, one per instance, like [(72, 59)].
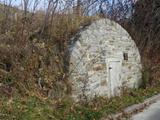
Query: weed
[(8, 80)]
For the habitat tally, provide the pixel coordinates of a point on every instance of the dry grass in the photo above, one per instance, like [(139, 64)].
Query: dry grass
[(31, 62)]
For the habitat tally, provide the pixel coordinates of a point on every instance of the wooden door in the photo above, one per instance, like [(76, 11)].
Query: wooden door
[(114, 71)]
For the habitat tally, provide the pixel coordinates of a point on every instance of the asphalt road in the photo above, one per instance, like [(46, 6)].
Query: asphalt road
[(150, 113)]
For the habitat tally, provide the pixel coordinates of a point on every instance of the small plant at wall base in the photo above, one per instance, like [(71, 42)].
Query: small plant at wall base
[(145, 78), (150, 73), (8, 80)]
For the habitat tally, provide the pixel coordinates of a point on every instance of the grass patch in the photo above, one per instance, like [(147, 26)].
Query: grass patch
[(32, 108)]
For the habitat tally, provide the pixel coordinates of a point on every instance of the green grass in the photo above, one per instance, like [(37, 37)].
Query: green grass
[(32, 108)]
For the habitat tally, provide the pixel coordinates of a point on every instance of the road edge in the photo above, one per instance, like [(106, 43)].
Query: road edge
[(132, 109)]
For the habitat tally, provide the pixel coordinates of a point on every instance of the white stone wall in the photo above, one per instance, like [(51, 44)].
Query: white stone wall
[(88, 69)]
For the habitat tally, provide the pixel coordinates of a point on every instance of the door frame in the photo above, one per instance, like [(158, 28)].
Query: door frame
[(108, 60)]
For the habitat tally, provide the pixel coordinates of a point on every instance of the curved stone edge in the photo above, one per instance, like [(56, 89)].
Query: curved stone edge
[(133, 109), (105, 21)]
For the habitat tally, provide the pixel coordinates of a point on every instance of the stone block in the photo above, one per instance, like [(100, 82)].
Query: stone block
[(100, 42)]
